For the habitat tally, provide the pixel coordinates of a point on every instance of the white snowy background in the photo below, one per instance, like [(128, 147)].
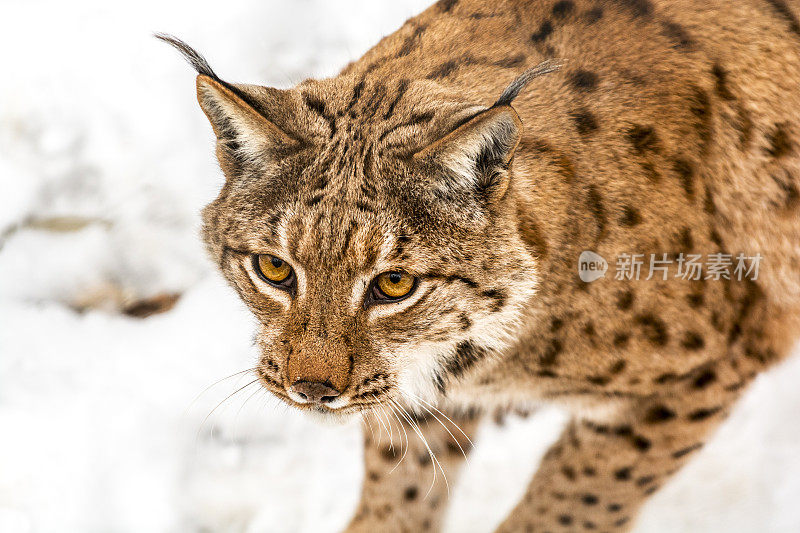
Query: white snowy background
[(105, 161)]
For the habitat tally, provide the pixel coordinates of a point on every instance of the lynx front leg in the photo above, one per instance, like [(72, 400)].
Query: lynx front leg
[(599, 473), (404, 486)]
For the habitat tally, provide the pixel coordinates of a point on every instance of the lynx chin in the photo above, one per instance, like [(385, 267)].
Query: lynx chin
[(406, 235)]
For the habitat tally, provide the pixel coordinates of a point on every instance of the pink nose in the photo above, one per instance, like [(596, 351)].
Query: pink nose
[(315, 391)]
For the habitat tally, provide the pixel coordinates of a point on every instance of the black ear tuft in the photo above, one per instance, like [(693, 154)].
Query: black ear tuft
[(511, 92), (192, 56)]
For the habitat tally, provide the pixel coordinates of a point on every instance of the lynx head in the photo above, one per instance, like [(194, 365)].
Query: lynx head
[(370, 226)]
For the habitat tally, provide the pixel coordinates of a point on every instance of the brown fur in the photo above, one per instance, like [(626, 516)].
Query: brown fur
[(672, 127)]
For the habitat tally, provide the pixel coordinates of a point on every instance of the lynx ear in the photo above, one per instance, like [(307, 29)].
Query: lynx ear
[(238, 113), (236, 118), (477, 154)]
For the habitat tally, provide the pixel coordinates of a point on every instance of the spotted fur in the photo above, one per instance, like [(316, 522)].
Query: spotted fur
[(671, 127)]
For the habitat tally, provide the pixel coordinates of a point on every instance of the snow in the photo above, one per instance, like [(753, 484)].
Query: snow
[(105, 161)]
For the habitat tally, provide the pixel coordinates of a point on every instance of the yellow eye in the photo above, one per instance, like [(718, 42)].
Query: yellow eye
[(394, 285), (272, 269)]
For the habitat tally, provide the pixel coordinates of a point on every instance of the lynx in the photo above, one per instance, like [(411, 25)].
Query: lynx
[(408, 235)]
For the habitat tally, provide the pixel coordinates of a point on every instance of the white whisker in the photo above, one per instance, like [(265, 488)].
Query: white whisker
[(405, 434), (420, 434)]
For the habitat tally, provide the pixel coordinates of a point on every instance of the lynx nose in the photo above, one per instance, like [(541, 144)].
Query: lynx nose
[(315, 391)]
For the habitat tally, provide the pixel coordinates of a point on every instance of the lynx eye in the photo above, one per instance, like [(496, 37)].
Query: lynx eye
[(393, 286), (273, 270)]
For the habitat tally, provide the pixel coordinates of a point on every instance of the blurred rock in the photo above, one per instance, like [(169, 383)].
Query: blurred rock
[(161, 303)]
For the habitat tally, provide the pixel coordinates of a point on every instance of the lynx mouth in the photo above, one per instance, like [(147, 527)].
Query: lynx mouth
[(341, 411)]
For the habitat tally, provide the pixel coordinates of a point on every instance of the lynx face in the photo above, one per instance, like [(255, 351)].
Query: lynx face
[(370, 230)]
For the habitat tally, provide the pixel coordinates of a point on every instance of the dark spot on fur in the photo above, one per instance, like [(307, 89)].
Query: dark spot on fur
[(686, 451), (641, 443), (357, 90), (588, 471), (568, 472), (650, 170), (695, 299), (388, 453), (744, 125), (645, 480), (625, 300), (445, 6), (550, 355), (677, 34), (563, 8), (465, 356), (617, 367), (589, 525), (685, 172), (700, 107), (643, 139), (411, 41), (702, 414), (318, 106), (444, 70), (791, 194), (693, 341), (735, 386), (598, 380), (708, 203), (623, 474), (410, 493), (784, 12), (498, 295), (402, 87), (583, 80), (454, 448), (658, 414), (640, 8), (589, 499), (621, 339), (685, 240), (556, 324), (614, 507), (585, 121), (623, 431), (598, 211), (314, 200), (735, 333), (716, 239), (704, 380), (721, 87), (565, 520), (543, 32), (594, 15), (779, 142), (653, 328), (600, 429), (531, 233), (512, 62), (630, 216)]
